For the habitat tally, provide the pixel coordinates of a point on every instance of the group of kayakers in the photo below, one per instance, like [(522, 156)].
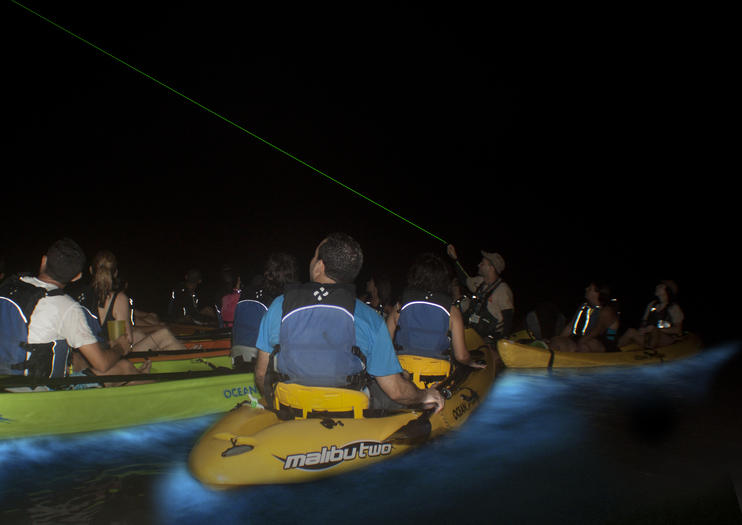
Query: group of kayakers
[(318, 334)]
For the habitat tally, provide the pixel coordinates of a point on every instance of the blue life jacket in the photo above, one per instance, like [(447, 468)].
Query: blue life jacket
[(18, 300), (423, 324), (317, 337), (247, 316)]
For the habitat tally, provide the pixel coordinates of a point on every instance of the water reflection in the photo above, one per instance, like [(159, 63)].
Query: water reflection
[(656, 444)]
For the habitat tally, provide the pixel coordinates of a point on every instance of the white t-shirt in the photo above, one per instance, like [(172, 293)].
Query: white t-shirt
[(58, 317)]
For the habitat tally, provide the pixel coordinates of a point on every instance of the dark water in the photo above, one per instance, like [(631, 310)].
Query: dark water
[(658, 444)]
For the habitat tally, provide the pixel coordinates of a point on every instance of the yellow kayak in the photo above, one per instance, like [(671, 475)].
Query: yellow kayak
[(518, 352), (252, 446)]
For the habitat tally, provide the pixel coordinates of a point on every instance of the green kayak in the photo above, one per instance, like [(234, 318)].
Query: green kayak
[(35, 410)]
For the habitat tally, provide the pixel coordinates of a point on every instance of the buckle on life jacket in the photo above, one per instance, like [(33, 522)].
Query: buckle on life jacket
[(323, 401), (39, 360), (425, 371)]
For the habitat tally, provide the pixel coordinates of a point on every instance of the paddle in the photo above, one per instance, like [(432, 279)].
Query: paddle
[(214, 333), (144, 354), (418, 430)]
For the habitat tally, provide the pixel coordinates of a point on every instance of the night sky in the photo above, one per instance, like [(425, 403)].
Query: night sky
[(579, 144)]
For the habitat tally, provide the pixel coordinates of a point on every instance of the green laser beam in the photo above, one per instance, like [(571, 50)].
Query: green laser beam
[(228, 121)]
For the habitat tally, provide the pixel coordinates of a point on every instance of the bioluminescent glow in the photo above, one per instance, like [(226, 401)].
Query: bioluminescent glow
[(586, 439), (228, 121)]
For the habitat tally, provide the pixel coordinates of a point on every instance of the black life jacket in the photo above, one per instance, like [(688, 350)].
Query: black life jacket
[(18, 300), (317, 337), (183, 303), (423, 325), (584, 319), (659, 318), (479, 317)]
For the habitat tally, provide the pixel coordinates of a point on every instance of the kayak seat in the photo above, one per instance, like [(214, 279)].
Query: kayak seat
[(304, 400), (425, 371)]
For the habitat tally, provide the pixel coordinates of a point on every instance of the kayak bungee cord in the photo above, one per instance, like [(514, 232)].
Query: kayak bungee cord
[(228, 121)]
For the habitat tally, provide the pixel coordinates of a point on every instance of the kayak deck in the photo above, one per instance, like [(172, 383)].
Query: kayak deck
[(251, 446), (522, 354)]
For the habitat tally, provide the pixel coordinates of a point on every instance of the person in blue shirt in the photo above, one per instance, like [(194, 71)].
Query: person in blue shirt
[(336, 263)]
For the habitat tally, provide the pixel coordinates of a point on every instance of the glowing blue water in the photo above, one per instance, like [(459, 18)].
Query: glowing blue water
[(561, 447)]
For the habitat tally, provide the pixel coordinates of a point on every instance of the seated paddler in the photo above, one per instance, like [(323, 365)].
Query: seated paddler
[(322, 350), (426, 327), (40, 324)]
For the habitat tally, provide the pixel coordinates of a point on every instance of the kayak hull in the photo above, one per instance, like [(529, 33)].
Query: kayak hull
[(252, 446), (35, 413), (517, 354)]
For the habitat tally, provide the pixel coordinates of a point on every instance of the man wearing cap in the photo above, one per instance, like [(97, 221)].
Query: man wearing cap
[(491, 309)]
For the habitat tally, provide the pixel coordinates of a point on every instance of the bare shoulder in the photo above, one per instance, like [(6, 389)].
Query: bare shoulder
[(122, 298)]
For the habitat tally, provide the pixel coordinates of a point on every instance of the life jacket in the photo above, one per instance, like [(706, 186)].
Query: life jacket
[(247, 316), (89, 302), (424, 319), (317, 337), (18, 299), (479, 317), (657, 317), (585, 320), (183, 302)]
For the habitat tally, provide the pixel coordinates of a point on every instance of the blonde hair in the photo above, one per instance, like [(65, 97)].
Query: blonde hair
[(104, 275)]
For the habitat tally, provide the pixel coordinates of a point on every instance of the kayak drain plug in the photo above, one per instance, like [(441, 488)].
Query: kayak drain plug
[(236, 450)]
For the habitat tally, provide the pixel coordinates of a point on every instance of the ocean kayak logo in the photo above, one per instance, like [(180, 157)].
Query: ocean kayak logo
[(241, 391), (469, 400), (333, 456)]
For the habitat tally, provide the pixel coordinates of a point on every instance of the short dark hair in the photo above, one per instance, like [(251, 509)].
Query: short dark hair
[(342, 256), (280, 268), (430, 273), (64, 260)]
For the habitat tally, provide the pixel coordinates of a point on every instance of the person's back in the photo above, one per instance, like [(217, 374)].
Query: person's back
[(427, 326), (246, 322), (326, 302), (280, 269), (36, 319), (185, 305), (423, 324), (318, 336)]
